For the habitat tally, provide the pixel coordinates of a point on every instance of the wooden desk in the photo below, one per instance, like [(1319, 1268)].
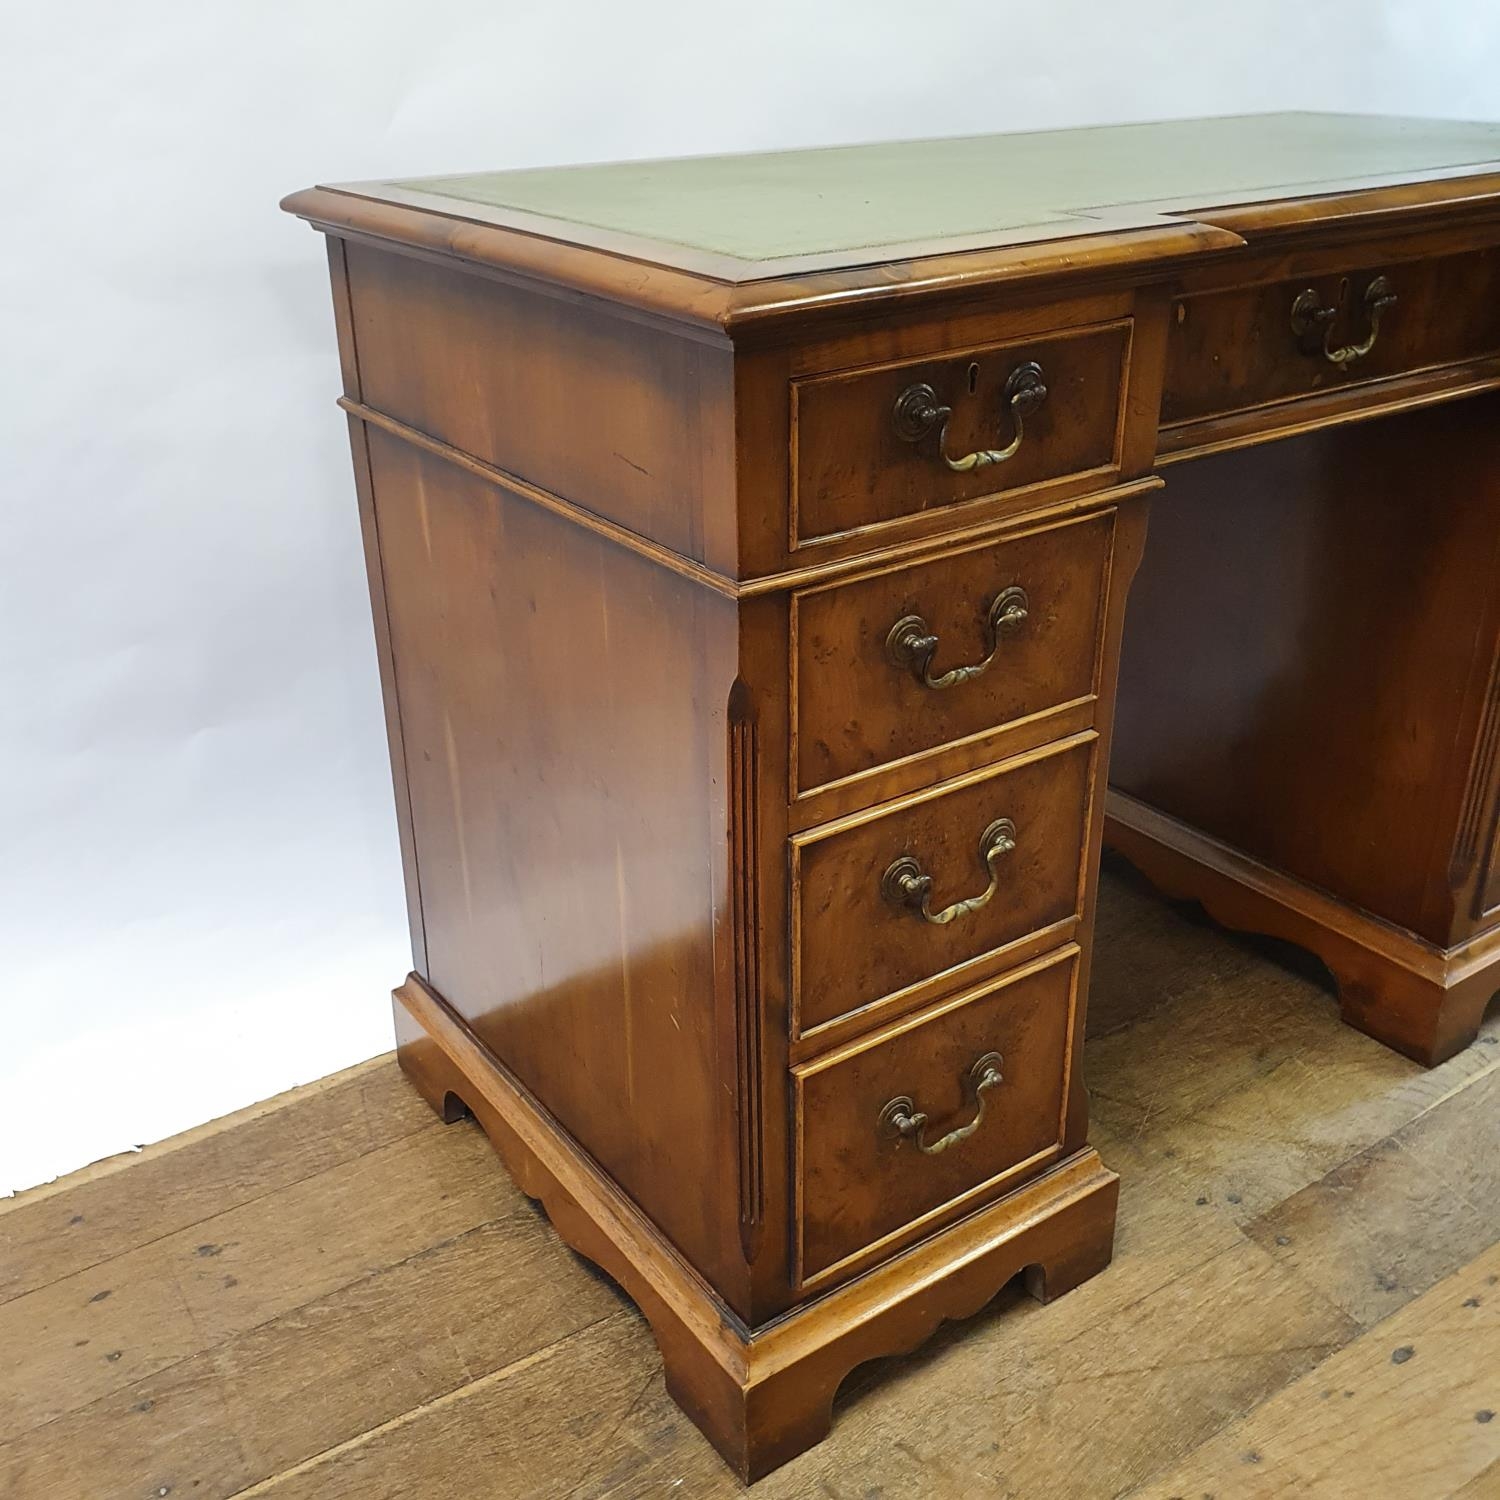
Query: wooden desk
[(749, 541)]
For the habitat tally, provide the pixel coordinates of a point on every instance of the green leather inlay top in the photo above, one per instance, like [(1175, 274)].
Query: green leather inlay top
[(791, 203)]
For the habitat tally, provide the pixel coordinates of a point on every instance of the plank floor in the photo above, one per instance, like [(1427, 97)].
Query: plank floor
[(331, 1295)]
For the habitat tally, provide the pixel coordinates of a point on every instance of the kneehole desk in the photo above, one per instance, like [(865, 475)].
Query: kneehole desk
[(749, 542)]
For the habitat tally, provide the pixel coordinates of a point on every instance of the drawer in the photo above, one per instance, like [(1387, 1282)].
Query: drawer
[(1006, 841), (1229, 350), (863, 1175), (876, 445), (866, 694)]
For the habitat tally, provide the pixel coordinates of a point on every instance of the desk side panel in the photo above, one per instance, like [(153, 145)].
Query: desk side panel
[(564, 709), (618, 415)]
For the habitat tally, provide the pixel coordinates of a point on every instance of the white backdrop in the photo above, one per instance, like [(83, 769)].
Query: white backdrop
[(202, 898)]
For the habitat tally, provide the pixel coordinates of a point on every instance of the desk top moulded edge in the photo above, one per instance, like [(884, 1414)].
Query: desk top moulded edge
[(1131, 250)]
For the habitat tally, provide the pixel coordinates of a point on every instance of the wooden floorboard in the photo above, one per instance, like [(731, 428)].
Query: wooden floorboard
[(267, 1399), (1407, 1410), (56, 1230), (1390, 1223), (333, 1296)]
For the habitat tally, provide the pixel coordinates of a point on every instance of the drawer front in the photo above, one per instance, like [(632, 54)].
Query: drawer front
[(1231, 350), (1031, 606), (1007, 843), (868, 445), (862, 1173)]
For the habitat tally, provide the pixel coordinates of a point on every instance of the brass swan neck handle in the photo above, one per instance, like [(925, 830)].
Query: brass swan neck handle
[(906, 884), (1311, 316), (902, 1120), (918, 412), (912, 645)]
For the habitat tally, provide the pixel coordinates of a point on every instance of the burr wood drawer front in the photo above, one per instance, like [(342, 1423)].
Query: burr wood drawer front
[(1248, 346), (918, 894), (911, 659), (874, 446), (914, 1124)]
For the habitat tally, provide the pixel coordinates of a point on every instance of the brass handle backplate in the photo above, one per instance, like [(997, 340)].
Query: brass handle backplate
[(906, 884), (902, 1120), (918, 412), (1315, 323), (911, 644)]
